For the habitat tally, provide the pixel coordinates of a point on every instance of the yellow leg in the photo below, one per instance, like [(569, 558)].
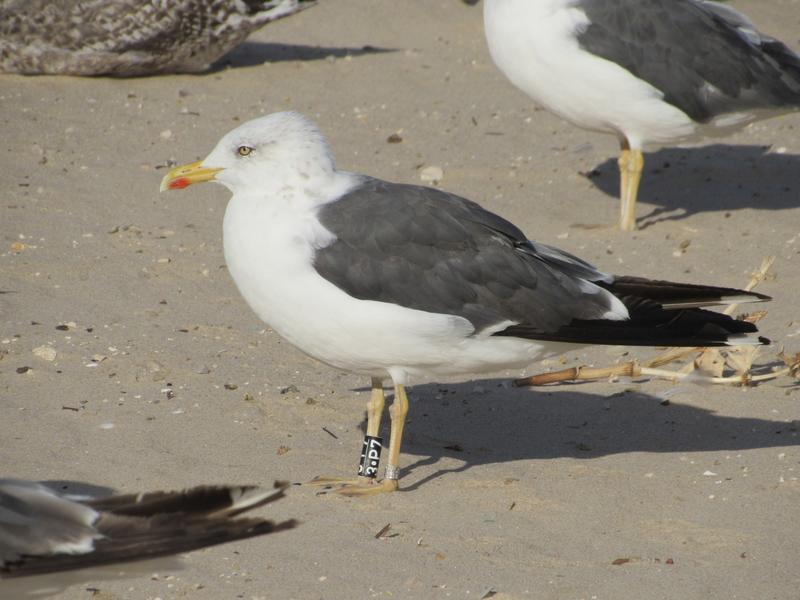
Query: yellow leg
[(397, 412), (375, 408), (624, 159), (374, 413), (631, 163)]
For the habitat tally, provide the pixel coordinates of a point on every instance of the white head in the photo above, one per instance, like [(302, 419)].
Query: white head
[(282, 147)]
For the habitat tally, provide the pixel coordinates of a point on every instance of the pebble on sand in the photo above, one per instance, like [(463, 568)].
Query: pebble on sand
[(47, 353), (431, 174)]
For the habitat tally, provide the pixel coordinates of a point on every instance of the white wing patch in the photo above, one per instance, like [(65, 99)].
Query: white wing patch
[(617, 310)]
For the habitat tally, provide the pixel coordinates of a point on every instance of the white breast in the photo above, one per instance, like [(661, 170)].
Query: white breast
[(269, 249)]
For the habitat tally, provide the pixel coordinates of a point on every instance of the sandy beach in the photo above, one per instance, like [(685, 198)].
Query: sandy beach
[(128, 359)]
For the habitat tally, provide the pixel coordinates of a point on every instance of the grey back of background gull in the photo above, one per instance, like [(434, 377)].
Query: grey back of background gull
[(704, 61)]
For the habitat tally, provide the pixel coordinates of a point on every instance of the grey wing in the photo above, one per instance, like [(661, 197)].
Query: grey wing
[(35, 521), (788, 59), (429, 250), (734, 18), (706, 60)]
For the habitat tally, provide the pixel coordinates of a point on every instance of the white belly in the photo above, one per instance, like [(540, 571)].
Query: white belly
[(269, 255)]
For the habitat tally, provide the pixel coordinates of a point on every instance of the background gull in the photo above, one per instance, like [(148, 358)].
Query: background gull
[(651, 72), (413, 284), (128, 37)]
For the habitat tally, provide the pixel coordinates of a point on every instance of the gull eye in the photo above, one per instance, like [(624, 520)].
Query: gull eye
[(244, 150)]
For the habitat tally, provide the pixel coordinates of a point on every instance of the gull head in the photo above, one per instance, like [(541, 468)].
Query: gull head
[(281, 148)]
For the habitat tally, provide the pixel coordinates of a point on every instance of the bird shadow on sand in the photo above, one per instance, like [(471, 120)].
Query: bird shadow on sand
[(682, 182), (251, 54), (485, 422)]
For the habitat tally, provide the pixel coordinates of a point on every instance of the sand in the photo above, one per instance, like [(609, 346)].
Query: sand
[(163, 378)]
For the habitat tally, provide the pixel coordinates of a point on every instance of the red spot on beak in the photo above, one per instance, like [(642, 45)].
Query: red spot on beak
[(179, 183)]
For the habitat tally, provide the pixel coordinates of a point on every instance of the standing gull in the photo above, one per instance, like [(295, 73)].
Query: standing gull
[(410, 283), (45, 533), (651, 72), (128, 37)]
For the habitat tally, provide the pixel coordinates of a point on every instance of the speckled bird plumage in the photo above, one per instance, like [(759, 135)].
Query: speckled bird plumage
[(128, 37)]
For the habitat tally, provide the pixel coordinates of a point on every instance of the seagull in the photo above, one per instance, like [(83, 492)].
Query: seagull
[(650, 72), (43, 531), (127, 38), (411, 283)]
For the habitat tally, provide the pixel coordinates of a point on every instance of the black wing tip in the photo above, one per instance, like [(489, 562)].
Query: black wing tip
[(666, 292), (692, 327)]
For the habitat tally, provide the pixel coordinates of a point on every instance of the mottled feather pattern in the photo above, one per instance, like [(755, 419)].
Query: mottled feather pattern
[(127, 37)]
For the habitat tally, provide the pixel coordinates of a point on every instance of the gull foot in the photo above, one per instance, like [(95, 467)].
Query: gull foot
[(324, 481), (355, 486), (374, 487)]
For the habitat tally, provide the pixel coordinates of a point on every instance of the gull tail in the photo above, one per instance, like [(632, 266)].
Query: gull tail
[(661, 313), (671, 295)]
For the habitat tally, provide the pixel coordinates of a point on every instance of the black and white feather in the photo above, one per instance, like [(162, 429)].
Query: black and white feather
[(128, 37), (43, 531)]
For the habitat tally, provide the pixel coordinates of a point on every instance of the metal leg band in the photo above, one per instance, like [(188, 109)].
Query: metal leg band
[(392, 472)]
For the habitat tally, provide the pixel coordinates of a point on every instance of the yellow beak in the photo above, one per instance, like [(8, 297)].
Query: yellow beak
[(185, 175)]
